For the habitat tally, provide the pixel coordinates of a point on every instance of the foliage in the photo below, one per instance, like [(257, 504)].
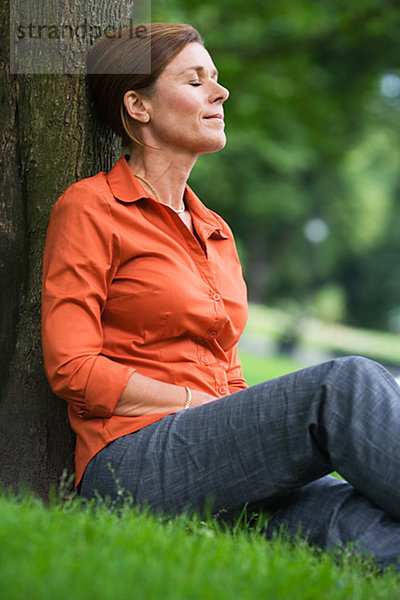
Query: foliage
[(67, 551), (310, 135)]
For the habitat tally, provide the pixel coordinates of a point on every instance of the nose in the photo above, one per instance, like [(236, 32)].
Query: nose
[(220, 93)]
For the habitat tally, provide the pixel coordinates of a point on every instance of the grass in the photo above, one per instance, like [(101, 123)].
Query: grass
[(67, 550), (261, 368), (70, 552)]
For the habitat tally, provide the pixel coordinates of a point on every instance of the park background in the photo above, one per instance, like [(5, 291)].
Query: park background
[(309, 182), (309, 179)]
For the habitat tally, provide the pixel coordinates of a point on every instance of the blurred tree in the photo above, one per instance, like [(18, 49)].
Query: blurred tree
[(309, 136)]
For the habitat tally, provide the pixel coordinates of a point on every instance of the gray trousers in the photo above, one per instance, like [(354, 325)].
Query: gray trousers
[(274, 445)]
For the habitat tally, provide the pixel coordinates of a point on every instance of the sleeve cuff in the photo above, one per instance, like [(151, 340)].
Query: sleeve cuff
[(106, 382)]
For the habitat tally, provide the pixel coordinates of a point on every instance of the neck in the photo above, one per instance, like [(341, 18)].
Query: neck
[(166, 175)]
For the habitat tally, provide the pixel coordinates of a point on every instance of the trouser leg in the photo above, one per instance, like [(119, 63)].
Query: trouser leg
[(265, 441), (330, 513)]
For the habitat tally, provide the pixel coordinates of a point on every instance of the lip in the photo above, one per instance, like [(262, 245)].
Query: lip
[(216, 116)]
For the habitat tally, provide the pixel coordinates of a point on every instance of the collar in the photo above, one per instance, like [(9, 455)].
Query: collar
[(126, 188)]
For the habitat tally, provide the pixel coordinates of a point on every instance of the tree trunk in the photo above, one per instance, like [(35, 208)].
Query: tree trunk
[(48, 139)]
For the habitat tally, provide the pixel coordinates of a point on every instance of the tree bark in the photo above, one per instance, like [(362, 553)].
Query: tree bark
[(49, 137)]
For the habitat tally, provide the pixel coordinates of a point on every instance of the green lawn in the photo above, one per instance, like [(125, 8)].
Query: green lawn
[(71, 553), (67, 551), (259, 368)]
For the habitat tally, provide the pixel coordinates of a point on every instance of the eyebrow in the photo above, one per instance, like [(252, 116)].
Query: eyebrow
[(199, 69)]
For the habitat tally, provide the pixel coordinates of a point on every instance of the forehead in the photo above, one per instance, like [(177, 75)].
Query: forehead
[(192, 56)]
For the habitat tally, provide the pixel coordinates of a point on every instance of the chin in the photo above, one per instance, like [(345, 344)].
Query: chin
[(214, 145)]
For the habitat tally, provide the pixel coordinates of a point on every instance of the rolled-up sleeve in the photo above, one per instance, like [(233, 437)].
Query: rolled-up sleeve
[(80, 259)]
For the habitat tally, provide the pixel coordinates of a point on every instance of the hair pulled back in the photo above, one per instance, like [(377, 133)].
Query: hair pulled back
[(117, 64)]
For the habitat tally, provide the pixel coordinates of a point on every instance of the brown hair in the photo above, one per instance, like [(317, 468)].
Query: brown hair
[(117, 64)]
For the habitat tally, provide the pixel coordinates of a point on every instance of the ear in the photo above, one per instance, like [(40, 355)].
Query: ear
[(135, 107)]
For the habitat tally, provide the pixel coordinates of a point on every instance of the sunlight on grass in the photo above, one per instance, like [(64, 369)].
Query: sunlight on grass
[(59, 553), (259, 368)]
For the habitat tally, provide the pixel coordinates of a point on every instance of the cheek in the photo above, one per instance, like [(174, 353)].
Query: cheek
[(178, 120), (181, 105), (186, 108)]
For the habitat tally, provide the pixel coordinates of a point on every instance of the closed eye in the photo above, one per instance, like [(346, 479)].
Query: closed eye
[(195, 83)]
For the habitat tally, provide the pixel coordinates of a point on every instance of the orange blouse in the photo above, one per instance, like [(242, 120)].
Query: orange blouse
[(127, 286)]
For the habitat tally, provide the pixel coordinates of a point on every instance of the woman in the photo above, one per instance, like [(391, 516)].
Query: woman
[(143, 305)]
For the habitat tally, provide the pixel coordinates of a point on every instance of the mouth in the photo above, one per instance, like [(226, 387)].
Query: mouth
[(217, 116)]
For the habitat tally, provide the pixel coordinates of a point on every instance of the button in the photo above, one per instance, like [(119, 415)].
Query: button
[(212, 333), (204, 359), (222, 389), (216, 297)]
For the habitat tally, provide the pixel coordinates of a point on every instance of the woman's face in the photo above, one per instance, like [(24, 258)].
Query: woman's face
[(185, 108)]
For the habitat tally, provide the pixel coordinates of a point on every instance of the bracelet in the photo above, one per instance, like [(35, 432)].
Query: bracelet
[(188, 397)]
